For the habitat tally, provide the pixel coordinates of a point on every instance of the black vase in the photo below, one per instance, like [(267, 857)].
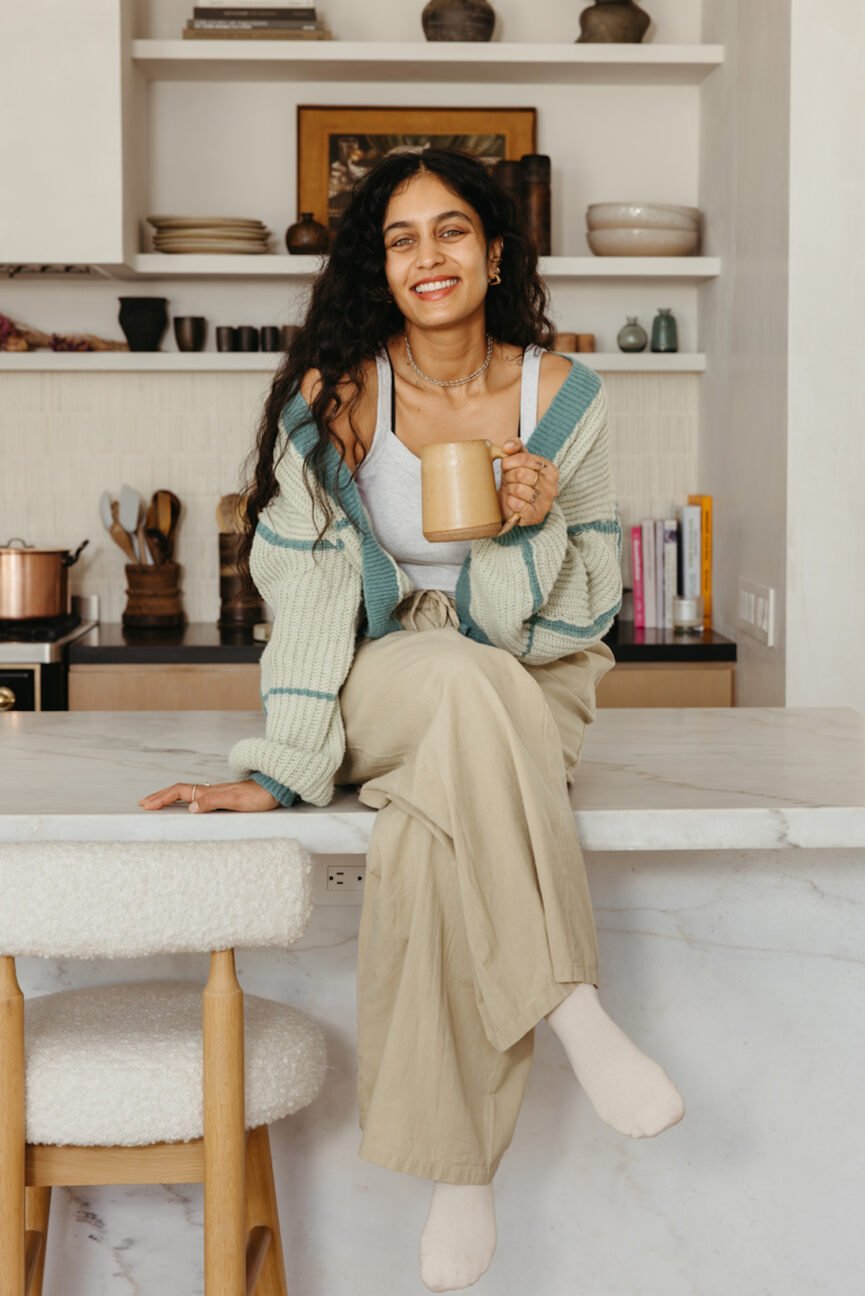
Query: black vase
[(144, 321)]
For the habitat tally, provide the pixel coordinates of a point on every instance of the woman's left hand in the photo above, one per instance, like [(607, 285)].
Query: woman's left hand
[(530, 483)]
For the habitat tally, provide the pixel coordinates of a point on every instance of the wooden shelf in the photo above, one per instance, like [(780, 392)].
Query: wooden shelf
[(154, 265), (265, 362), (383, 61)]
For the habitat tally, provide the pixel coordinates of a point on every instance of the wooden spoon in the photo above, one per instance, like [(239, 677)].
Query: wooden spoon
[(119, 535)]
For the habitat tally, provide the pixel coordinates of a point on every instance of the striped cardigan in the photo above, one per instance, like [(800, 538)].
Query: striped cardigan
[(540, 592)]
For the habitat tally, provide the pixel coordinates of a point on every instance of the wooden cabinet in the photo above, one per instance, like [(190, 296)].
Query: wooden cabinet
[(114, 687), (668, 684), (194, 687)]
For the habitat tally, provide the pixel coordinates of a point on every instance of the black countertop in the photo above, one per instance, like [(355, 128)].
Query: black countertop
[(203, 642)]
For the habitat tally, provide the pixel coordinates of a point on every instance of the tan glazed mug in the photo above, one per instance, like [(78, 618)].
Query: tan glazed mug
[(460, 500)]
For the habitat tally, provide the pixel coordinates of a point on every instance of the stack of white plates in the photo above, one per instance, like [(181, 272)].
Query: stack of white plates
[(642, 229), (213, 234)]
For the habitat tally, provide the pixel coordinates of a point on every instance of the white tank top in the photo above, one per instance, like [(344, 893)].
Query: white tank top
[(389, 482)]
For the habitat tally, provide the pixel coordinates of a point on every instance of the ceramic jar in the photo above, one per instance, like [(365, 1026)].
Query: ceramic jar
[(535, 199), (613, 21), (632, 337), (143, 320), (458, 20), (665, 335), (307, 236)]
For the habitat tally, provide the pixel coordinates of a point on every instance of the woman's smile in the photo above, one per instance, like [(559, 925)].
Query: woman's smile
[(434, 289)]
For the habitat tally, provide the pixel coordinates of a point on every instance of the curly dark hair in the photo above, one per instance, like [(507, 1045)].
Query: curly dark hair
[(351, 315)]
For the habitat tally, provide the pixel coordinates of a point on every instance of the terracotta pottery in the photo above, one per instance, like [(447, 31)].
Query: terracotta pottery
[(613, 21), (458, 20), (307, 236)]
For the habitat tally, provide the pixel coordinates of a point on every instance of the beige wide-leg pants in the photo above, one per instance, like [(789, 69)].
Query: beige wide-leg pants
[(476, 919)]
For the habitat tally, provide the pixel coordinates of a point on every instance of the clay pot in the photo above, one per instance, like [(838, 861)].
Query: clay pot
[(307, 236), (458, 20), (613, 21), (143, 320)]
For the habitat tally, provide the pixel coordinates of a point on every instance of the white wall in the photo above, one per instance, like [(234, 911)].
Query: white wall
[(826, 445), (743, 322)]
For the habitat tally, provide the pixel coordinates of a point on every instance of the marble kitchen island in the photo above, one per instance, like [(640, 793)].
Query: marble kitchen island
[(726, 857)]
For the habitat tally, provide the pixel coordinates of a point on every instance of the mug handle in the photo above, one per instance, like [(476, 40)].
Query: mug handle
[(496, 452)]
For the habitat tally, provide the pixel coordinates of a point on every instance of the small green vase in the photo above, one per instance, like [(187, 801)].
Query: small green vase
[(665, 335), (632, 336)]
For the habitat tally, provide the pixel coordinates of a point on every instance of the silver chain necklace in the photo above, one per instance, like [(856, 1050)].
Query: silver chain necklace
[(449, 382)]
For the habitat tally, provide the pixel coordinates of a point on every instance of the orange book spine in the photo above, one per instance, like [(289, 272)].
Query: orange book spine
[(705, 502)]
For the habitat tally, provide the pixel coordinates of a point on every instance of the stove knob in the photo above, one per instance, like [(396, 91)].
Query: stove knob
[(7, 698)]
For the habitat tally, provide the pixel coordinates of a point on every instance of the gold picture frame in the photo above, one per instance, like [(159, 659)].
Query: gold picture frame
[(336, 145)]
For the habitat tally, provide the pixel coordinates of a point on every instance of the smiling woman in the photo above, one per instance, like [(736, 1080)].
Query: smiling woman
[(451, 682)]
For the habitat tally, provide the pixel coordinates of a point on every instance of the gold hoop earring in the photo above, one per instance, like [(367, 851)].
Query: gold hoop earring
[(496, 278)]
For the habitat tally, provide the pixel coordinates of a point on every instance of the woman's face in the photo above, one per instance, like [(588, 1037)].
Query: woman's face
[(436, 260)]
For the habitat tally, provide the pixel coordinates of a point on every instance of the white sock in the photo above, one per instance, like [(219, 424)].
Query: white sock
[(459, 1237), (627, 1089)]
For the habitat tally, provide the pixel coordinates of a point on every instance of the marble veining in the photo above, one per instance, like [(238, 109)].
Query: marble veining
[(676, 779)]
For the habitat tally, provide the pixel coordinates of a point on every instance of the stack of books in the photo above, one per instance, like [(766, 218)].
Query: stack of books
[(672, 556), (220, 20)]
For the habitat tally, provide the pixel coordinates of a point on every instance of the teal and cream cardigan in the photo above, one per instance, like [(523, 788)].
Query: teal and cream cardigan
[(540, 592)]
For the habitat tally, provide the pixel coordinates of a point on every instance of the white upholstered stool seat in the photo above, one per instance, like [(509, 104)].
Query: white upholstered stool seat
[(121, 1065)]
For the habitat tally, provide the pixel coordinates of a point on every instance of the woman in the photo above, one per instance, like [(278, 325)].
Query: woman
[(453, 682)]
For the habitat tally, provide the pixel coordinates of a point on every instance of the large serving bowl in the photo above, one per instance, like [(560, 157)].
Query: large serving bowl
[(642, 216), (643, 242)]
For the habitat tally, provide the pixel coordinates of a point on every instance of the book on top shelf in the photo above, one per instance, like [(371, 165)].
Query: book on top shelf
[(267, 24), (313, 32), (252, 6)]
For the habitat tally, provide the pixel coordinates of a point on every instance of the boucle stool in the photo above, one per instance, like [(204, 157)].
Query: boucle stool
[(151, 1082)]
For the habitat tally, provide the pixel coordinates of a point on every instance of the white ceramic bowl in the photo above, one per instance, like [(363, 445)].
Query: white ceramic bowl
[(643, 242), (641, 216)]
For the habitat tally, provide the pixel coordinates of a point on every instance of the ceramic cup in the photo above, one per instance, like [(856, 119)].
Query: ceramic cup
[(226, 338), (459, 496), (190, 332), (247, 338), (289, 333), (271, 338)]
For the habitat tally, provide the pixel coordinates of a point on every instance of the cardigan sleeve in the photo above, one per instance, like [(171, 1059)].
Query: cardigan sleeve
[(546, 591), (315, 596)]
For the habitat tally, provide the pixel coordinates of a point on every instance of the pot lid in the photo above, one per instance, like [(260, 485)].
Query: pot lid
[(16, 545)]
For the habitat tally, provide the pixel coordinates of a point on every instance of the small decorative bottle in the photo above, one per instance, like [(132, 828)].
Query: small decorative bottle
[(632, 336), (665, 335), (307, 236)]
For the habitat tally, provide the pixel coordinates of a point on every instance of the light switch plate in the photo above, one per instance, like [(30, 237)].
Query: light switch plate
[(756, 616)]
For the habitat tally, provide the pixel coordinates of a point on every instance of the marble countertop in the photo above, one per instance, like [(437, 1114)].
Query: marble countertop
[(667, 779)]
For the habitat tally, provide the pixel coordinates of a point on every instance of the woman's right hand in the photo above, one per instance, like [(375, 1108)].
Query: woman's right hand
[(244, 795)]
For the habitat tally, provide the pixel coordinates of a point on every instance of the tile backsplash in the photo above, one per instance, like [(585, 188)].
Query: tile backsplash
[(64, 438)]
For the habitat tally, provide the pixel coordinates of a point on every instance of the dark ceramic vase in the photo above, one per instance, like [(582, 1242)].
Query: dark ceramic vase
[(307, 236), (458, 20), (613, 21), (144, 321)]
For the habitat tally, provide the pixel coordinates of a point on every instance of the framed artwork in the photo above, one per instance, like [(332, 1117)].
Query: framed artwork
[(336, 146)]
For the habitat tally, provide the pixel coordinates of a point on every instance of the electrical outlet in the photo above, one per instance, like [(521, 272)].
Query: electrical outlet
[(757, 611), (338, 879)]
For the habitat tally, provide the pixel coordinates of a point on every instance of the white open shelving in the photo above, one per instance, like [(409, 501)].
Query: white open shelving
[(155, 265), (431, 61), (265, 361)]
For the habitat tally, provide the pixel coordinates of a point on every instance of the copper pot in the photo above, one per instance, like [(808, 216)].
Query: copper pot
[(33, 580)]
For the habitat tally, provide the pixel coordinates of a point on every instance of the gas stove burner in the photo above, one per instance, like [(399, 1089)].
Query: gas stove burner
[(39, 629)]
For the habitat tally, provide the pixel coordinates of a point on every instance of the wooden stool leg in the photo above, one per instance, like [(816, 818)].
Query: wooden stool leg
[(38, 1205), (261, 1209), (11, 1131), (224, 1137)]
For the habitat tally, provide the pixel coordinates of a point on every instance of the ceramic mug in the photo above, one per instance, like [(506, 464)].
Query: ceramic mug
[(460, 500)]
